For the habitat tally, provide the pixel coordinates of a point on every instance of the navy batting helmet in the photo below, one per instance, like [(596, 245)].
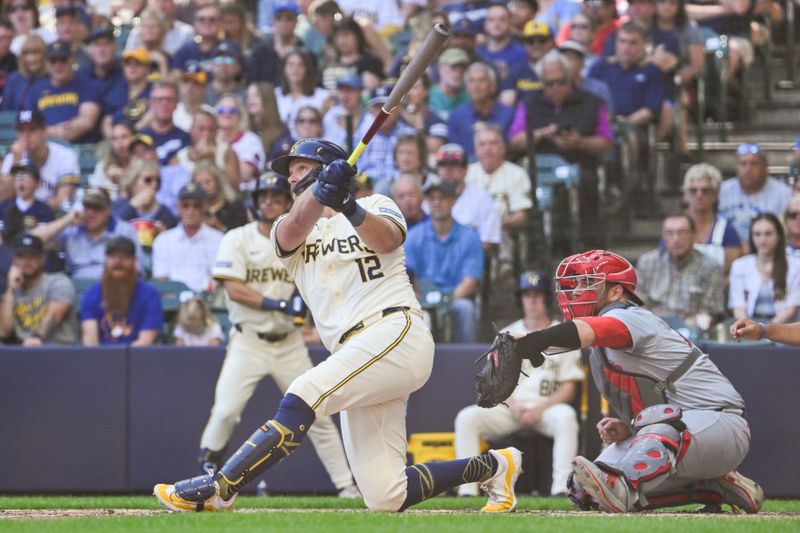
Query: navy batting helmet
[(533, 280), (267, 182), (320, 150)]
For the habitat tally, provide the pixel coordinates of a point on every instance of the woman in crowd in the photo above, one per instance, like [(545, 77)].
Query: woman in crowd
[(298, 87), (350, 54), (24, 16), (415, 111), (142, 181), (236, 27), (152, 30), (791, 219), (232, 120), (225, 211), (410, 156), (765, 285), (581, 30), (206, 146), (113, 164), (30, 70), (308, 123), (714, 236), (264, 119)]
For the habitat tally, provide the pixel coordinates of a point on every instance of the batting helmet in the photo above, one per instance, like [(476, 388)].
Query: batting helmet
[(267, 182), (320, 150), (580, 277), (533, 280)]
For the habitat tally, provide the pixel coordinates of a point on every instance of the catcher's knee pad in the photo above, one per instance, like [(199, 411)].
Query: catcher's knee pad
[(656, 446), (578, 496), (268, 445)]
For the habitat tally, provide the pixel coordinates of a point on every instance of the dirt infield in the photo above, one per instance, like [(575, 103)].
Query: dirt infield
[(52, 514)]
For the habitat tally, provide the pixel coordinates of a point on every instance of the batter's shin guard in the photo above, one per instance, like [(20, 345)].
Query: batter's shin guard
[(268, 445)]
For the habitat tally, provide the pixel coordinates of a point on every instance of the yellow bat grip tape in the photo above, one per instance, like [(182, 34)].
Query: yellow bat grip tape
[(356, 154)]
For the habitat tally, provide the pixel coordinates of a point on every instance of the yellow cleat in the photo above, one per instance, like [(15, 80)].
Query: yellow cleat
[(167, 496), (500, 487)]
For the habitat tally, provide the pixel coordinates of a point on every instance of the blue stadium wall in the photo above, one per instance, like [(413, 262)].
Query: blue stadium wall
[(118, 420)]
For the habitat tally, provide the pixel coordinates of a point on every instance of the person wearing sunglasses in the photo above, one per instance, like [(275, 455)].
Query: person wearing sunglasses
[(232, 119), (207, 36), (24, 16), (227, 69), (522, 80), (568, 121), (751, 192), (603, 19), (140, 206), (714, 235)]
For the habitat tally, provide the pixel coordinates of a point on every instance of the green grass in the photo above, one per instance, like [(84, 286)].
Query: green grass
[(319, 515)]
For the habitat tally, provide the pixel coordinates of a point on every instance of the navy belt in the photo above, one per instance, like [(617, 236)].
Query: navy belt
[(358, 327), (266, 337)]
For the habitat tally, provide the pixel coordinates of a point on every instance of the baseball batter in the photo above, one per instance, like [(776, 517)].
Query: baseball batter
[(264, 341), (541, 400), (347, 260), (682, 431)]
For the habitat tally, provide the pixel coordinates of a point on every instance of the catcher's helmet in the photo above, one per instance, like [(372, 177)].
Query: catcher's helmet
[(533, 280), (580, 277), (267, 182)]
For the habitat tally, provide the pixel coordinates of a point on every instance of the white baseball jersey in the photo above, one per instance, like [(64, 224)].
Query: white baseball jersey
[(341, 279), (543, 381), (246, 255)]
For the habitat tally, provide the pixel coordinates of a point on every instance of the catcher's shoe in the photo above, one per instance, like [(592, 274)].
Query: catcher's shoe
[(500, 487), (169, 498), (738, 491), (609, 490)]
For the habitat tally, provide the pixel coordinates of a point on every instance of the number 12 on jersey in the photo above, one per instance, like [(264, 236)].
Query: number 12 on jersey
[(369, 268)]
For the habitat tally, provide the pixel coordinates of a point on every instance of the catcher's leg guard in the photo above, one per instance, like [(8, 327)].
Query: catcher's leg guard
[(210, 461), (659, 442), (269, 444)]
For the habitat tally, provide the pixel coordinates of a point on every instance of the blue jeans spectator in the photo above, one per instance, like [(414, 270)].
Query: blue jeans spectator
[(464, 316)]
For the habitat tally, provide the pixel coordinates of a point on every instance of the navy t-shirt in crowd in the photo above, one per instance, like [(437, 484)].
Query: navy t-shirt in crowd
[(145, 312), (168, 144), (632, 89), (60, 104)]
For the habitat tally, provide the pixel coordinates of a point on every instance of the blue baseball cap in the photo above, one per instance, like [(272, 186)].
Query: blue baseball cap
[(352, 80), (230, 49), (59, 50), (533, 280), (380, 94), (286, 6)]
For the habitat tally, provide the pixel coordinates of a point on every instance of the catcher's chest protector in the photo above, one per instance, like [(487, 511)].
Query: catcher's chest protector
[(628, 393)]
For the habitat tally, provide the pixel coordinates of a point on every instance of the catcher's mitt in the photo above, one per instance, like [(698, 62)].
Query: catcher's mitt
[(499, 377)]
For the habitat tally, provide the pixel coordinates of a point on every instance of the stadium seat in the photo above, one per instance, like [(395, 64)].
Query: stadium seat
[(170, 292), (81, 286), (8, 134)]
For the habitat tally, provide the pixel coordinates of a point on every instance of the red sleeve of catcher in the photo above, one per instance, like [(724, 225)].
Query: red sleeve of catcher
[(611, 332)]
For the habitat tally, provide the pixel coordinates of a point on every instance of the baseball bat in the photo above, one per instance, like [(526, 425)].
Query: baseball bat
[(424, 57)]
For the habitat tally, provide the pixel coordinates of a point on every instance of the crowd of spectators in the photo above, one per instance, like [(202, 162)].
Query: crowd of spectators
[(184, 104)]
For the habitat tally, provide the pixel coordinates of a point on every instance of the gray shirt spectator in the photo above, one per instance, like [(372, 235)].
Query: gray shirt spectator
[(37, 307)]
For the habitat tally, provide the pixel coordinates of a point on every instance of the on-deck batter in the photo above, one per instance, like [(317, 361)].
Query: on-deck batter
[(347, 260), (263, 307)]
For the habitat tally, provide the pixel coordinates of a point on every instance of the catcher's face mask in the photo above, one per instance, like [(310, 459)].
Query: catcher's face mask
[(578, 287)]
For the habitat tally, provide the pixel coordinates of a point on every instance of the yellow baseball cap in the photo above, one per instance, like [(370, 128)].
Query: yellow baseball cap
[(536, 28), (139, 54)]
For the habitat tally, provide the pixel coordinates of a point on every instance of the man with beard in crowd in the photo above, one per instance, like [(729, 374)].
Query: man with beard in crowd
[(122, 308)]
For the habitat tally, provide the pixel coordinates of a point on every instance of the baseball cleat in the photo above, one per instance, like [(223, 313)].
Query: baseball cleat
[(609, 490), (500, 487), (739, 491), (351, 491), (167, 496)]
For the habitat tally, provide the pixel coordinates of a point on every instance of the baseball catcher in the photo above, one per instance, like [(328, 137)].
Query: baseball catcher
[(682, 430)]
